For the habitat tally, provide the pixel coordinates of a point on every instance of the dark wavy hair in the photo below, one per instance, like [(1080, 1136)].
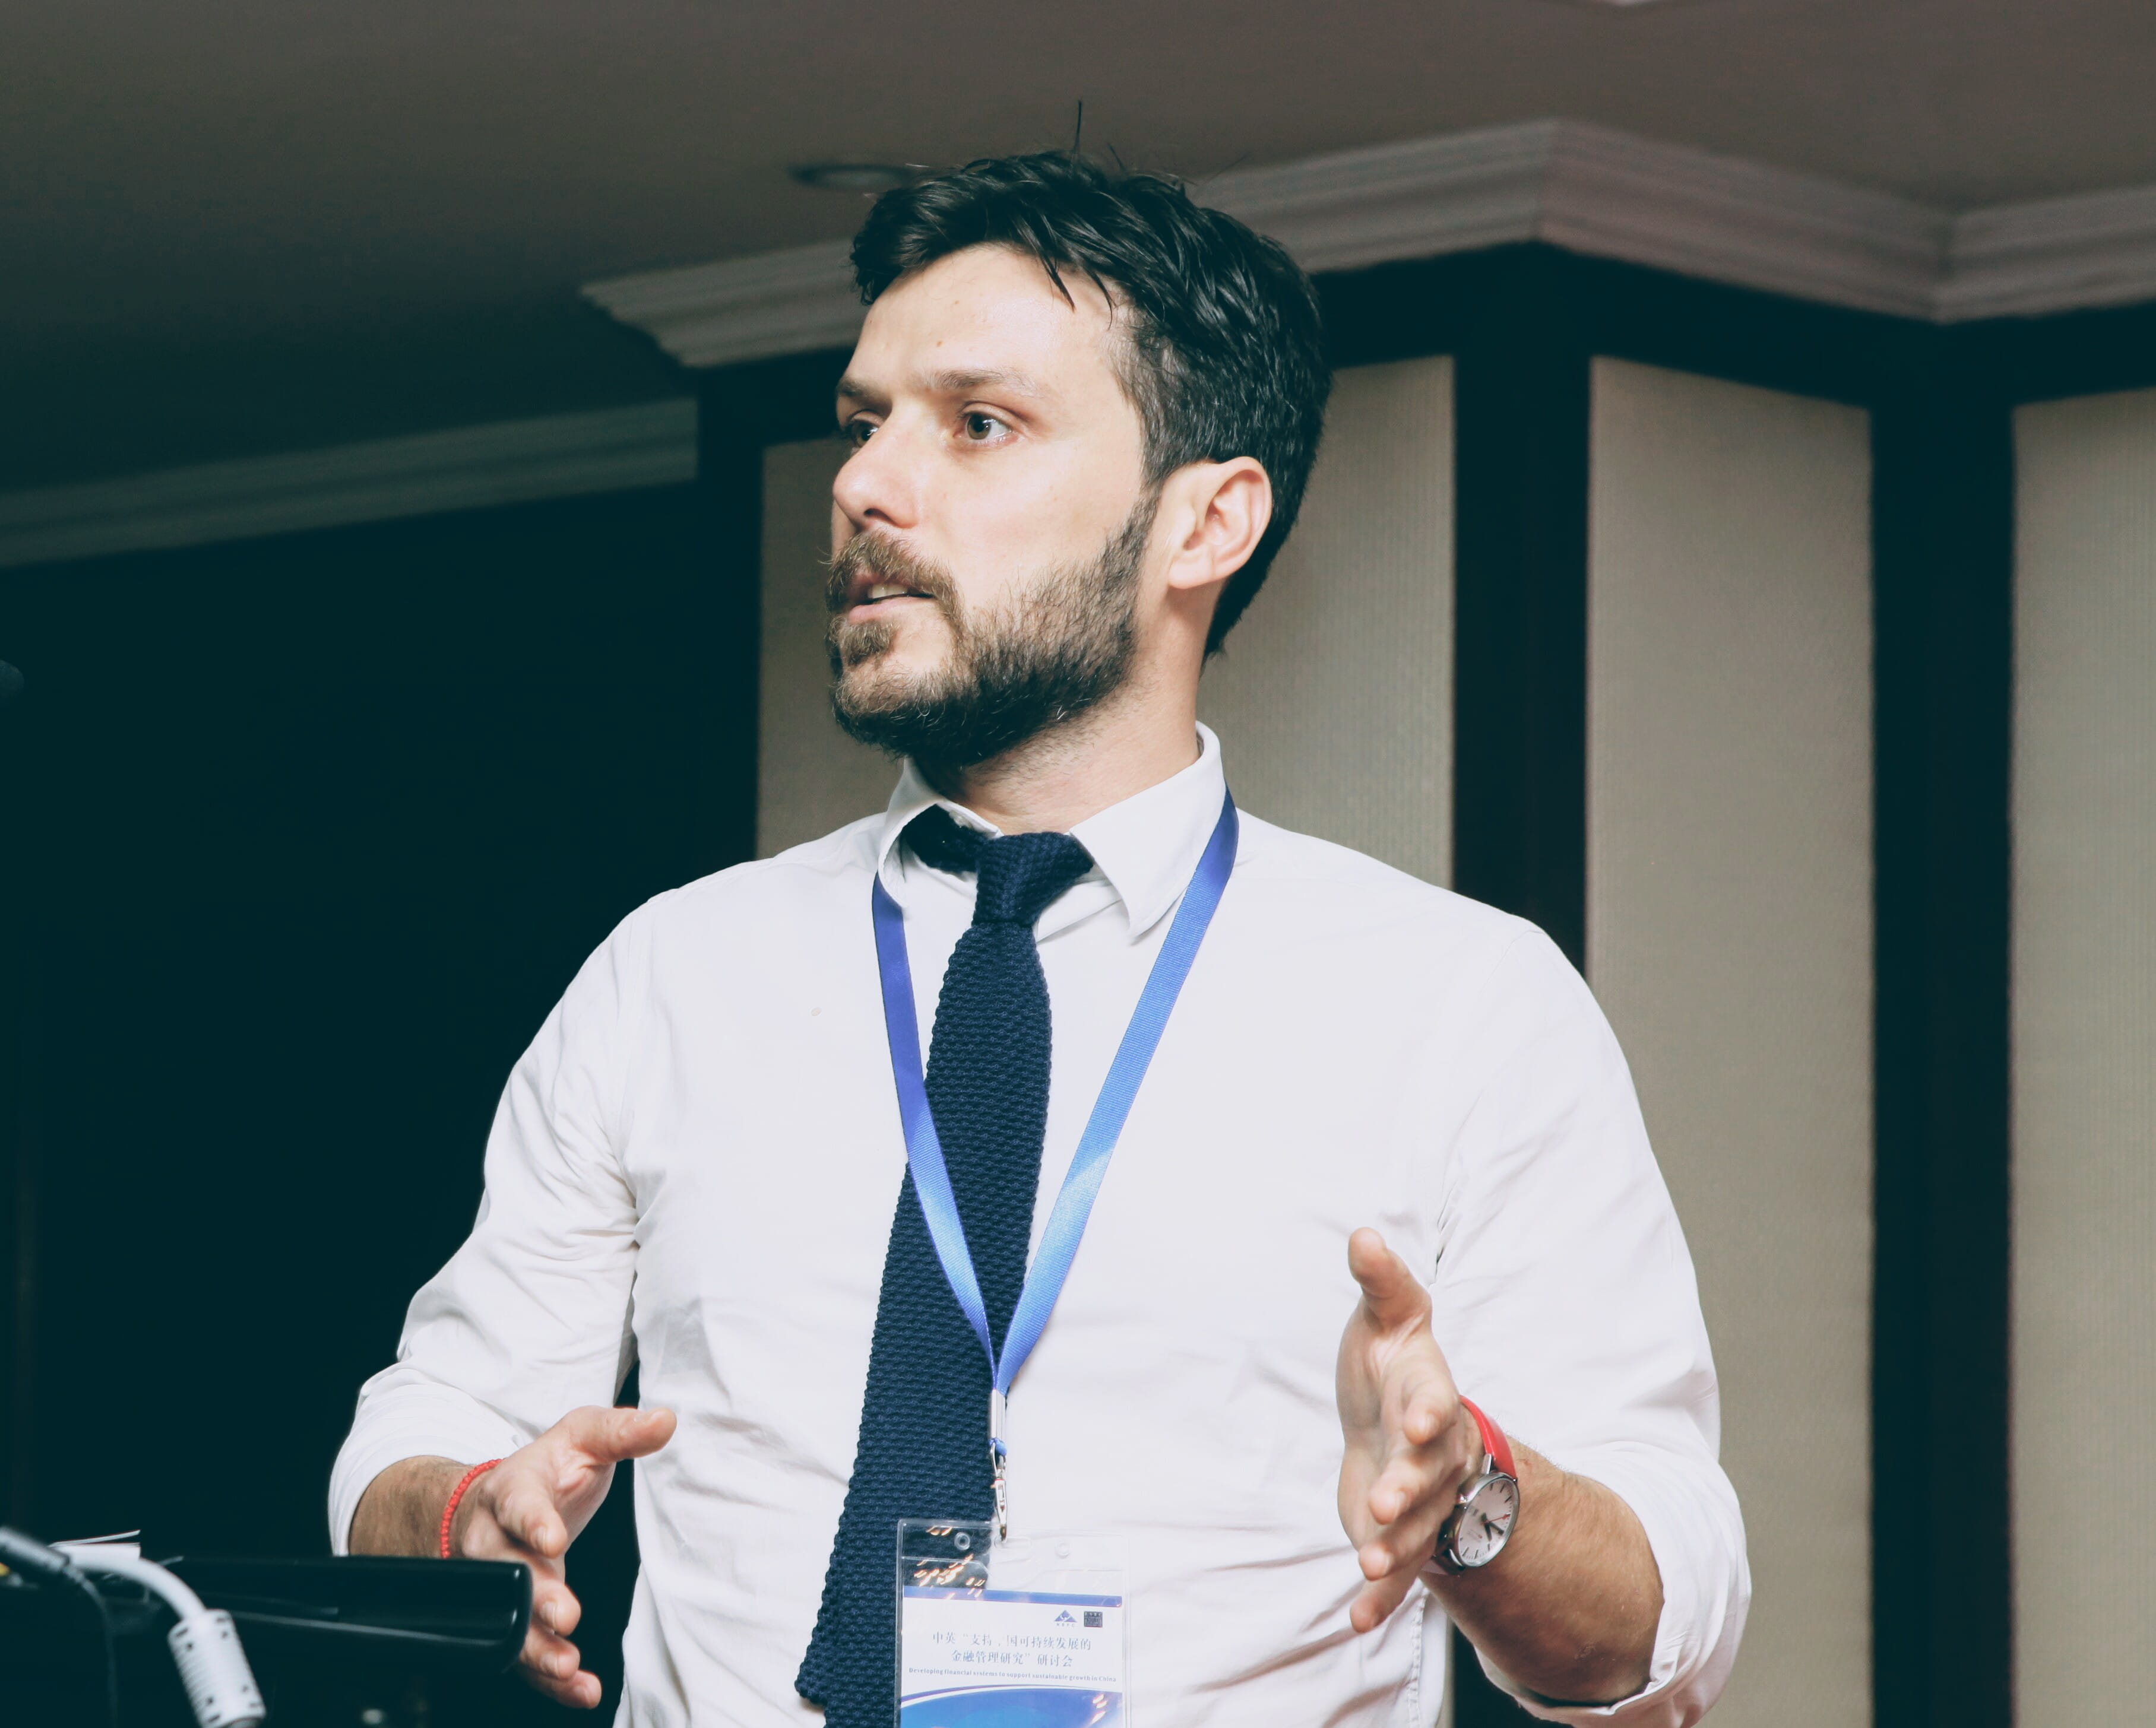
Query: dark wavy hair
[(1223, 356)]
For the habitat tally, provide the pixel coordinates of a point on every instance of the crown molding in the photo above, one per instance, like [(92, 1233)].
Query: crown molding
[(1614, 196), (2058, 255), (1419, 199), (1333, 212), (1592, 190), (470, 468), (788, 302), (1583, 187)]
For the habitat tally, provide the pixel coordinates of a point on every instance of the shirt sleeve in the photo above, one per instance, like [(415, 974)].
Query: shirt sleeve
[(1565, 1301), (530, 1317)]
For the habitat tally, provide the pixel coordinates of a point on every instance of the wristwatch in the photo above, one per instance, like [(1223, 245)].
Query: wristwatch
[(1481, 1524)]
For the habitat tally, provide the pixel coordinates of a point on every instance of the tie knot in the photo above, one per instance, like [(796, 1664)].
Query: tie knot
[(1023, 875), (1020, 876)]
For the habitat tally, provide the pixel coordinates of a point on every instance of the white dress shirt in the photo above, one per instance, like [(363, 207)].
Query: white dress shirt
[(695, 1165)]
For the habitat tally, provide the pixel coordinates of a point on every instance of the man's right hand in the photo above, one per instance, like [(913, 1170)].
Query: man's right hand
[(529, 1507)]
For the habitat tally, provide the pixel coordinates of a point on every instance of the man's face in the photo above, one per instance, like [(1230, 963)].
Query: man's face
[(989, 532)]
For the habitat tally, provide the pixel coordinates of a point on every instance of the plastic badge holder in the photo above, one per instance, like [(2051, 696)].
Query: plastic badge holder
[(1034, 1633)]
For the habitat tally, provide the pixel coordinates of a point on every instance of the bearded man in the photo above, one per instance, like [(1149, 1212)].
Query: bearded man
[(1017, 1391)]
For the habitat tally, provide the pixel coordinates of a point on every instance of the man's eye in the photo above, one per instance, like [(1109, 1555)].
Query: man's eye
[(859, 432), (981, 427)]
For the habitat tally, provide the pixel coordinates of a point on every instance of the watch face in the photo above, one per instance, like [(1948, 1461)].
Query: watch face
[(1484, 1521)]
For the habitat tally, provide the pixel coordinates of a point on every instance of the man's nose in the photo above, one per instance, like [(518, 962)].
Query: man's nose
[(881, 484)]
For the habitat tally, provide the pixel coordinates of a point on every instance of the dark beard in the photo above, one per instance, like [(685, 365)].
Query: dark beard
[(1044, 656)]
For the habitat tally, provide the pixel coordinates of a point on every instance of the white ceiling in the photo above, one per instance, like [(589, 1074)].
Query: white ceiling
[(238, 225)]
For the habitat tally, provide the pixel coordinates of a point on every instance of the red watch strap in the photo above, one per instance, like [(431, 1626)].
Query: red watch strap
[(1493, 1440)]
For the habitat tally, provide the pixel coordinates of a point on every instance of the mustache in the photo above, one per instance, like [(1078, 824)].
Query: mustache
[(882, 559)]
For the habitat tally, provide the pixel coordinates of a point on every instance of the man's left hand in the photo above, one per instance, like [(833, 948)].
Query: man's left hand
[(1410, 1443)]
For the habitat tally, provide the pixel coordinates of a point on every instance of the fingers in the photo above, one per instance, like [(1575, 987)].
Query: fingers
[(507, 1514), (644, 1432), (552, 1665), (527, 1514), (1391, 1291), (608, 1436), (1428, 1409), (1377, 1601), (1394, 1559), (542, 1495), (1406, 1504), (511, 1514), (555, 1609), (1429, 1471), (518, 1523), (1408, 1481), (1406, 1540), (1377, 1496), (1407, 1510), (549, 1661), (554, 1605)]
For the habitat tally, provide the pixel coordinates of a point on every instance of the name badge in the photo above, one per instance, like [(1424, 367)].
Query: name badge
[(1030, 1633)]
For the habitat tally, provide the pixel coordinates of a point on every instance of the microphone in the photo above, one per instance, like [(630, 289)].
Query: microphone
[(204, 1642)]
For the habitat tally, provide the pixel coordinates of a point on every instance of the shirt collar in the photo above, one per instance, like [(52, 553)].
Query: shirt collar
[(1146, 849)]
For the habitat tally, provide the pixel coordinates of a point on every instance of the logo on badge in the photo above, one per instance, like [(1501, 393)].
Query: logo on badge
[(1064, 1619), (1093, 1616)]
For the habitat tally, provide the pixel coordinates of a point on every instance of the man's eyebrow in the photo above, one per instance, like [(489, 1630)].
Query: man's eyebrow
[(961, 383), (947, 383)]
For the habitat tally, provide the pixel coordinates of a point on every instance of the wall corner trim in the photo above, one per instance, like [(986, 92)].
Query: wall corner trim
[(1585, 187), (2058, 254), (466, 468)]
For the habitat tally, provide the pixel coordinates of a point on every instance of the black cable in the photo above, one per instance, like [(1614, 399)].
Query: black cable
[(28, 1555)]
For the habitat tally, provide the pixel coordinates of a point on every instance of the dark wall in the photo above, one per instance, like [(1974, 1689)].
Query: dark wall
[(306, 836)]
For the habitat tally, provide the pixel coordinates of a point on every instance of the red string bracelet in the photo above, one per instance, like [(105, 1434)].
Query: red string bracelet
[(456, 1493)]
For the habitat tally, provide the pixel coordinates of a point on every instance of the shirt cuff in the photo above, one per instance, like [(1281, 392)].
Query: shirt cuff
[(411, 1417), (1697, 1542)]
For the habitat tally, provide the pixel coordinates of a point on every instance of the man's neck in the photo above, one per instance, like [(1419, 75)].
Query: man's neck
[(1055, 780)]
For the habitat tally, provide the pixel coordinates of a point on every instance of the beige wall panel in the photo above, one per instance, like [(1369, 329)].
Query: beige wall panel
[(1729, 939), (2084, 1347), (811, 777), (1334, 699)]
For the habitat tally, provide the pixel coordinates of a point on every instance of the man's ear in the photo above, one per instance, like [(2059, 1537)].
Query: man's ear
[(1215, 513)]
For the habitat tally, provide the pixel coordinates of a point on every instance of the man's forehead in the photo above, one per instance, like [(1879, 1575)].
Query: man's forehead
[(986, 318)]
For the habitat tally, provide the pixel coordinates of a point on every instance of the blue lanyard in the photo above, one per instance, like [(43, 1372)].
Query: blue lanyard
[(1074, 1204)]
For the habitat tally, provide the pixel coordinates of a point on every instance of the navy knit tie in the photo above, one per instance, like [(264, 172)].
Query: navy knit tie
[(924, 1438)]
